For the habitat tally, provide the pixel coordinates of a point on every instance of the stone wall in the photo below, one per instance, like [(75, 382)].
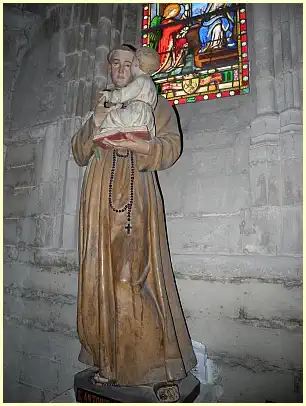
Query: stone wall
[(233, 201), (234, 214), (55, 61)]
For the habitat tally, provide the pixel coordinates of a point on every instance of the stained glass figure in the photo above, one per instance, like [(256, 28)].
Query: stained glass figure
[(203, 49)]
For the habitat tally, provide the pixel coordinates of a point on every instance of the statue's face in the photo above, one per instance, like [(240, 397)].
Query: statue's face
[(120, 67)]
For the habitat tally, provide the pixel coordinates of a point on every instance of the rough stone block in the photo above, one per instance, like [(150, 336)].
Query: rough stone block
[(12, 305), (115, 38), (71, 39), (242, 385), (71, 98), (267, 237), (238, 268), (217, 122), (11, 356), (87, 36), (104, 32), (267, 304), (19, 392), (130, 24), (49, 280), (72, 187), (292, 181), (72, 196), (66, 376), (44, 231), (19, 252), (43, 87), (94, 14), (72, 67), (208, 234), (274, 183), (70, 231), (106, 10), (66, 349), (16, 273), (10, 231), (268, 124), (118, 16), (258, 154), (47, 197), (292, 234), (53, 148), (291, 117), (65, 14), (209, 162), (52, 24), (287, 146), (43, 311), (20, 202), (291, 145), (279, 83), (20, 176), (218, 194), (73, 170), (55, 59), (26, 154), (81, 37), (91, 69), (79, 106), (255, 348), (85, 13), (84, 64), (99, 84), (27, 230), (87, 98), (39, 372), (76, 11), (171, 185), (101, 61), (45, 344), (258, 180)]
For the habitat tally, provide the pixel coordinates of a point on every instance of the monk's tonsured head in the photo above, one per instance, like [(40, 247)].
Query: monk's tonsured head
[(120, 61)]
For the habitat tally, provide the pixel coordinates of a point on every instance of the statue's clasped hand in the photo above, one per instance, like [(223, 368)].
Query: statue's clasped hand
[(133, 143)]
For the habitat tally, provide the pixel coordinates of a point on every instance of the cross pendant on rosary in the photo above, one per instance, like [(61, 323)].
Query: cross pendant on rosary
[(128, 228)]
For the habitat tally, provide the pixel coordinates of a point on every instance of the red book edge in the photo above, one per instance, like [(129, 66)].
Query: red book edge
[(121, 136)]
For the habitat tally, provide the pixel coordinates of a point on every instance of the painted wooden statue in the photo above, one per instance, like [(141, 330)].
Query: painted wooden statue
[(130, 321)]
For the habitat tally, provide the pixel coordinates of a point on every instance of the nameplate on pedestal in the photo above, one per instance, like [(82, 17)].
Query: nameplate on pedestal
[(83, 396)]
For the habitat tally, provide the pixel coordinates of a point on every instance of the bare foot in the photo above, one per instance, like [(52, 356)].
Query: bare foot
[(98, 379)]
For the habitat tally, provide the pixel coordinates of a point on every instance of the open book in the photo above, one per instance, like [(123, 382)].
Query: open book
[(118, 134)]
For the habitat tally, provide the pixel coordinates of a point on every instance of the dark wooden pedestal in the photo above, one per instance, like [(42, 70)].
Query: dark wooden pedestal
[(87, 392)]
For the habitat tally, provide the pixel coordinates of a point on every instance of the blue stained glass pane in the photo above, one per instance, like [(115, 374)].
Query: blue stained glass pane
[(154, 10)]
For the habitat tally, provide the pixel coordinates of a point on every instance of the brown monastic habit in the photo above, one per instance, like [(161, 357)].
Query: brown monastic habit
[(130, 321)]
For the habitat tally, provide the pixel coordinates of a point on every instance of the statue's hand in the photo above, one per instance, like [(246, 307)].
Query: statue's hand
[(101, 110), (133, 143)]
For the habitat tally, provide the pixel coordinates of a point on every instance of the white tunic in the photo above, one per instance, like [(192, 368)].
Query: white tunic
[(140, 97)]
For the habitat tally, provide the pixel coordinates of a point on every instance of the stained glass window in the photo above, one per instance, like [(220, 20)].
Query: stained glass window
[(203, 49)]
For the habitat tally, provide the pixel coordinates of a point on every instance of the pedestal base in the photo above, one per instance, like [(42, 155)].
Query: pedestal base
[(182, 391)]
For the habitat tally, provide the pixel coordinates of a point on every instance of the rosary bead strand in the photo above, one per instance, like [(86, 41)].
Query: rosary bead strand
[(127, 206)]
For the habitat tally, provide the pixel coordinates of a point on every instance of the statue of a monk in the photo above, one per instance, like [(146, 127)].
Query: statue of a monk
[(130, 321)]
